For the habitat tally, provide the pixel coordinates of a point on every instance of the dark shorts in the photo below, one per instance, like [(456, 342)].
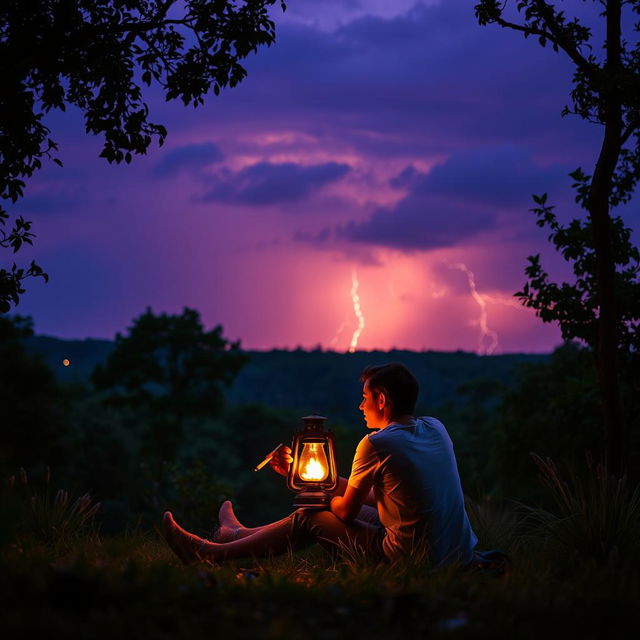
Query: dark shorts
[(362, 536)]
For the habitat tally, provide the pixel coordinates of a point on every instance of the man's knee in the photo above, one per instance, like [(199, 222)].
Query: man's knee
[(305, 518), (321, 526), (312, 523)]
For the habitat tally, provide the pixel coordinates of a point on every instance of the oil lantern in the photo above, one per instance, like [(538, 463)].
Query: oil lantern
[(313, 474)]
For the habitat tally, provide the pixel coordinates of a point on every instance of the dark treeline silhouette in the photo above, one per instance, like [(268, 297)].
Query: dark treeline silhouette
[(173, 414)]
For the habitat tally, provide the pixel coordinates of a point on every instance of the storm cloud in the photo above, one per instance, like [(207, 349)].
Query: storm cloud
[(266, 183), (419, 223), (469, 193), (189, 158), (47, 201), (502, 176)]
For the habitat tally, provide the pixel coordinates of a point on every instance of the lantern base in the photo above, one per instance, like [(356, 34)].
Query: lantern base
[(311, 500)]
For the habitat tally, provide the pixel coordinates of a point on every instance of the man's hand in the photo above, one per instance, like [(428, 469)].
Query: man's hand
[(281, 460)]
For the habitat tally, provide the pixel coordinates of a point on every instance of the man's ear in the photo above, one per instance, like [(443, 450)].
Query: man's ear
[(382, 401)]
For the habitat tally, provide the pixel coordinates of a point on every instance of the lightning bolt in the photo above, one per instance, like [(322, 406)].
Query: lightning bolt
[(486, 334), (357, 310), (507, 302), (335, 338)]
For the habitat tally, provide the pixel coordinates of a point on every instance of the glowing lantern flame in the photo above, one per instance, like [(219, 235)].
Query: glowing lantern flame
[(357, 310), (314, 471), (313, 463)]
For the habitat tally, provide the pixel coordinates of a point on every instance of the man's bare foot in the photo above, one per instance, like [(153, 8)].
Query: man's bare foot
[(188, 547), (230, 528), (227, 517)]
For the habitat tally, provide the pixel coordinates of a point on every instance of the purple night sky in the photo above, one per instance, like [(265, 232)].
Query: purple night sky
[(396, 141)]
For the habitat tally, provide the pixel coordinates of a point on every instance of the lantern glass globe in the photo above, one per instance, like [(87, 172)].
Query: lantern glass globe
[(313, 464)]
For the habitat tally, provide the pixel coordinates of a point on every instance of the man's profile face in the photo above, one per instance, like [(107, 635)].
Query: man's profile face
[(370, 409)]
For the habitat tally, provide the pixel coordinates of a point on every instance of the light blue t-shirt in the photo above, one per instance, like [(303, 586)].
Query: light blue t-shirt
[(412, 469)]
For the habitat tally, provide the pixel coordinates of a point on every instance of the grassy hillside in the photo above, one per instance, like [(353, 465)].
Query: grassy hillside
[(67, 580)]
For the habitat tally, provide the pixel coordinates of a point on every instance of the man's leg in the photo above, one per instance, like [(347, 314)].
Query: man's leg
[(362, 535), (270, 539), (301, 527), (232, 529)]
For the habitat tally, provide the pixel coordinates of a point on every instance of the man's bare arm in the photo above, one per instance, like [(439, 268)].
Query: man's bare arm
[(343, 483), (348, 506)]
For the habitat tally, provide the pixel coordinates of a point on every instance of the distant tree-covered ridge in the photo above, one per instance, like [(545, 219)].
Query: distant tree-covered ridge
[(323, 381)]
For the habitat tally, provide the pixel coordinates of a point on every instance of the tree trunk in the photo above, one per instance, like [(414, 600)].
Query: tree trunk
[(598, 207), (606, 352)]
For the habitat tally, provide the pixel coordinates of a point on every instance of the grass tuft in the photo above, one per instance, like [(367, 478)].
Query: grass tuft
[(52, 518), (597, 519)]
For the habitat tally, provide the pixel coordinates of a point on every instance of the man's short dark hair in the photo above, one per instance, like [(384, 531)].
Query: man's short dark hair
[(398, 384)]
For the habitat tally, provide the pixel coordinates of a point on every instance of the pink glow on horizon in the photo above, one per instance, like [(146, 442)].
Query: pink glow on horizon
[(397, 305)]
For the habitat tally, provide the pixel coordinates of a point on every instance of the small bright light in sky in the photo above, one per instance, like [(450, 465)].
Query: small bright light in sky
[(66, 362)]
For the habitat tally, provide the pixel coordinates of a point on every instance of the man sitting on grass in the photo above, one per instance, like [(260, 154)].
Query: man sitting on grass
[(404, 490)]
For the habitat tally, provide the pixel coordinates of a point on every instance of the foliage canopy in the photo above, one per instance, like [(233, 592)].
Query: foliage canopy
[(574, 306), (171, 363), (601, 307), (98, 55)]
